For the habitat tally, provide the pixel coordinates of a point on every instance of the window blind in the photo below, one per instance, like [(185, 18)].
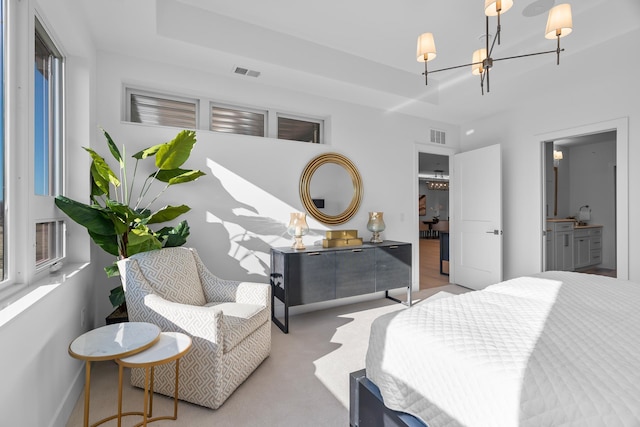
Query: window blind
[(155, 110)]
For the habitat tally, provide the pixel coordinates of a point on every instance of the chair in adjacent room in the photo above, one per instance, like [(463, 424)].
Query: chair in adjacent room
[(228, 321)]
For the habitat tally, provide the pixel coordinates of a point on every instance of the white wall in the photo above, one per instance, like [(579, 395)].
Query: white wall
[(564, 185), (241, 207), (557, 98)]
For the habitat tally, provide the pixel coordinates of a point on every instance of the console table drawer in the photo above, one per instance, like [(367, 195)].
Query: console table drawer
[(355, 272), (393, 267), (311, 277)]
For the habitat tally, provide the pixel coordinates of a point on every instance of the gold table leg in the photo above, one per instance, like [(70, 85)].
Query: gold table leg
[(87, 389)]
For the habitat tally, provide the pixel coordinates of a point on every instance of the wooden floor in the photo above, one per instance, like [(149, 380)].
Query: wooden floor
[(599, 271), (430, 276)]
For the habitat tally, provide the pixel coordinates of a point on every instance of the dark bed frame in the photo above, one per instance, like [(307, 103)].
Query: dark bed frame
[(366, 408)]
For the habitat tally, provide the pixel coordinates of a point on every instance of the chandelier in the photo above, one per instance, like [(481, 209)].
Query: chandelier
[(559, 24), (440, 183)]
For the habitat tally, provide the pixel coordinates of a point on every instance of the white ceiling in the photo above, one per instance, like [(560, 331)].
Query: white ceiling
[(357, 50)]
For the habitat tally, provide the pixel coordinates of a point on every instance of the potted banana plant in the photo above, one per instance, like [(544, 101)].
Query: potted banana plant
[(119, 222)]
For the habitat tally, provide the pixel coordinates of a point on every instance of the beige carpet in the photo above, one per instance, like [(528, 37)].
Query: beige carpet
[(304, 382)]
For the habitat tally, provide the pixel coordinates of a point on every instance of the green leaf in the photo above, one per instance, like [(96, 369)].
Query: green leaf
[(113, 148), (168, 213), (108, 243), (141, 240), (188, 176), (99, 184), (102, 167), (177, 176), (116, 296), (147, 152), (93, 218), (174, 236), (174, 153), (126, 213)]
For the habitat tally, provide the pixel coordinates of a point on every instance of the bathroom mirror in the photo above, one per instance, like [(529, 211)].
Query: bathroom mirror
[(331, 188)]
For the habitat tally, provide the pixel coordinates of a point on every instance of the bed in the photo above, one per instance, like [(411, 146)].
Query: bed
[(556, 348)]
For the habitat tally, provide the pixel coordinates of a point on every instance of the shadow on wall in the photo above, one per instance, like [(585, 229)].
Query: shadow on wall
[(244, 221)]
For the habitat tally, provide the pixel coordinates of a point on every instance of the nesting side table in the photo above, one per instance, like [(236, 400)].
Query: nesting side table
[(171, 346), (109, 343)]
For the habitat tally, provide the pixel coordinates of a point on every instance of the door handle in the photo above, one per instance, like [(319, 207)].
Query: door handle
[(495, 232)]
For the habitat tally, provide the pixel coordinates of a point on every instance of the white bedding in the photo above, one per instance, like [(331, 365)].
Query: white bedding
[(558, 348)]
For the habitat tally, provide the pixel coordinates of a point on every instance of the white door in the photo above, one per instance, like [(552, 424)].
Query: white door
[(477, 219)]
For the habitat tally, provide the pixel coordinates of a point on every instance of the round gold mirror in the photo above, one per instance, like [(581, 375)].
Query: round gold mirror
[(331, 188)]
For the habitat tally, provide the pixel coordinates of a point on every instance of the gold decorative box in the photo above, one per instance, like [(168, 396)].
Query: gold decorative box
[(341, 234), (336, 243)]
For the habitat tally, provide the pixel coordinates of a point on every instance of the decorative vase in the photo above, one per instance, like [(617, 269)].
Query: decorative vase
[(376, 225), (297, 228)]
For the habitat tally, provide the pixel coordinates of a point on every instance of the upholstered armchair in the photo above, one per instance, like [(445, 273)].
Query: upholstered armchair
[(228, 321)]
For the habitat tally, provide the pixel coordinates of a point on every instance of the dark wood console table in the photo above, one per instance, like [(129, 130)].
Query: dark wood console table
[(320, 274)]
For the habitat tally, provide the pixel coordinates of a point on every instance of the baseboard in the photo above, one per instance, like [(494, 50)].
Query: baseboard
[(68, 402)]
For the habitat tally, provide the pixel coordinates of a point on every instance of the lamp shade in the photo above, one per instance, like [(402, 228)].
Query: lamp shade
[(491, 7), (559, 23), (297, 224), (426, 48), (557, 155), (478, 56)]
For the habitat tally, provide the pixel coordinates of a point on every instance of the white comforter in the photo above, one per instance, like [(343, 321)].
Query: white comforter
[(554, 349)]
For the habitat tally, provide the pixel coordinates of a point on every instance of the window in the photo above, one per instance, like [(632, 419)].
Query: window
[(47, 113), (299, 129), (49, 238), (48, 142), (240, 121), (158, 109), (154, 108)]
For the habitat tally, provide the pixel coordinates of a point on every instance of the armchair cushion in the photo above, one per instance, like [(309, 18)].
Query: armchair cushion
[(174, 276), (239, 321)]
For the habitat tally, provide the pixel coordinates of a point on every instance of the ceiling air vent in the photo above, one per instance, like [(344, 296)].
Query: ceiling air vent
[(246, 72), (437, 136)]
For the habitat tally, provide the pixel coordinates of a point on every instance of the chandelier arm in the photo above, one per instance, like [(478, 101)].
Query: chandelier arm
[(456, 66), (425, 73), (529, 54), (493, 43)]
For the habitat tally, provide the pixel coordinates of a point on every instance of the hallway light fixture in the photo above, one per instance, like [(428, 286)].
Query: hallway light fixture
[(559, 24), (438, 185), (441, 183)]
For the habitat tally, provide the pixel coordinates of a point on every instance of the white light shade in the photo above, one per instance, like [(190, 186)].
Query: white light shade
[(478, 56), (557, 155), (559, 22), (426, 48), (491, 6)]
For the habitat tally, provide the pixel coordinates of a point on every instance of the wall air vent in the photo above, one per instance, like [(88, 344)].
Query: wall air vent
[(246, 72), (437, 136)]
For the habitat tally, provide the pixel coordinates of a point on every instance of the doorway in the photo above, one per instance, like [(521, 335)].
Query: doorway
[(585, 190), (433, 219)]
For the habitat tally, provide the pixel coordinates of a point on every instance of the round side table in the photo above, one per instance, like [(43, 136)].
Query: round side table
[(109, 343), (171, 346)]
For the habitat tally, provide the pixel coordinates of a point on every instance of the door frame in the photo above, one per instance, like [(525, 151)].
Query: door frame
[(621, 126), (428, 148)]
